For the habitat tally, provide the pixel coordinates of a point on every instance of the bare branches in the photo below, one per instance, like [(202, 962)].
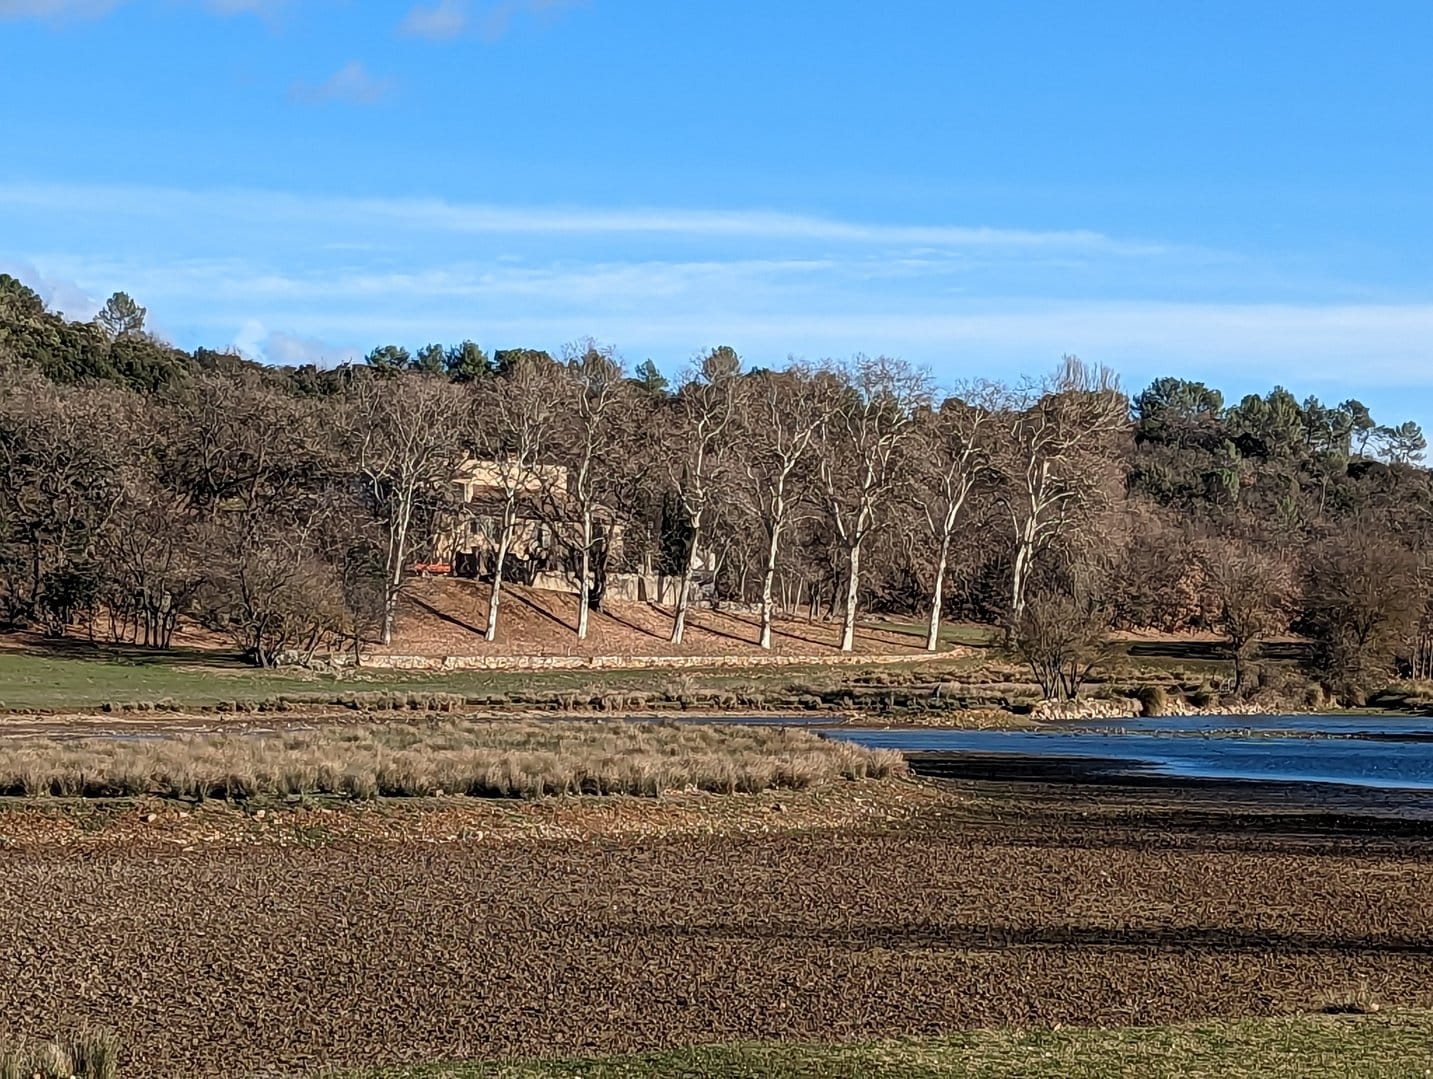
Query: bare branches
[(868, 410), (593, 393), (703, 411), (953, 450), (517, 414), (406, 436), (1058, 467)]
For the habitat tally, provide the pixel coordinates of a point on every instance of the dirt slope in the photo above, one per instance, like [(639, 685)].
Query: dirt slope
[(447, 616)]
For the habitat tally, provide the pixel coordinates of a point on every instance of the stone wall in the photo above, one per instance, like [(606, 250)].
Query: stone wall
[(1130, 708), (591, 663)]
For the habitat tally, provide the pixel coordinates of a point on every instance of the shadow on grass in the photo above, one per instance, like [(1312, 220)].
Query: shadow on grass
[(133, 655), (1213, 651)]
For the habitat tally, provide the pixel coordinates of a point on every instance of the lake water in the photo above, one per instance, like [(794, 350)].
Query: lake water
[(1385, 752)]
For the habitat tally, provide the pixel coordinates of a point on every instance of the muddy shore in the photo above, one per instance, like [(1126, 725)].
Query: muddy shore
[(974, 905)]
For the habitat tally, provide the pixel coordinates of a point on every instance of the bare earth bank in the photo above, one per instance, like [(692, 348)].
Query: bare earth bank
[(283, 947)]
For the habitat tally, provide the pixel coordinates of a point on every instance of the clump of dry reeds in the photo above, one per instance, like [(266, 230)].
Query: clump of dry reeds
[(84, 1054), (1358, 1001), (450, 756)]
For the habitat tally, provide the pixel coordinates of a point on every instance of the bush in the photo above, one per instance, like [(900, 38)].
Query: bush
[(1204, 697), (1153, 701), (84, 1054), (1061, 637)]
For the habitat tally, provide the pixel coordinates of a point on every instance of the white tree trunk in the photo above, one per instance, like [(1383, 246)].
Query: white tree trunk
[(584, 584), (1017, 583), (397, 545), (853, 587), (1020, 572), (684, 588), (932, 637), (496, 592), (768, 579)]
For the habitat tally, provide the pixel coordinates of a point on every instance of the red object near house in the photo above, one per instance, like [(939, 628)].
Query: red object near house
[(431, 569)]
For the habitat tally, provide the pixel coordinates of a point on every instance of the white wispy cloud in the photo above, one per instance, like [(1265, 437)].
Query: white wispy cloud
[(310, 278), (440, 20), (352, 84), (58, 293), (62, 10), (444, 19), (769, 308), (256, 341), (498, 18), (442, 215)]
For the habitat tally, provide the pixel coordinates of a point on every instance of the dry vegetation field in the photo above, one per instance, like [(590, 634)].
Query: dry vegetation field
[(270, 949), (486, 759)]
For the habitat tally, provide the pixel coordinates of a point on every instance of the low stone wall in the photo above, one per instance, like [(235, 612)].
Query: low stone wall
[(1088, 708), (601, 663), (1130, 708)]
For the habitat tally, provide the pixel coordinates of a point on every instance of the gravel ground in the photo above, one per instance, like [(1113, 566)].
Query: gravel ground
[(277, 958)]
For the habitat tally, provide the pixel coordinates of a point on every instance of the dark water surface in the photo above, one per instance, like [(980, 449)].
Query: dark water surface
[(1384, 752)]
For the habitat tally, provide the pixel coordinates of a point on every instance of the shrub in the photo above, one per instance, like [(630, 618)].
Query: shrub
[(1358, 1001), (84, 1054), (1061, 637), (1204, 697), (1153, 701)]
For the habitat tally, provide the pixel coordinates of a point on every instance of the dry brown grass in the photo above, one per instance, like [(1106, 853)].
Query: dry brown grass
[(81, 1055), (449, 756)]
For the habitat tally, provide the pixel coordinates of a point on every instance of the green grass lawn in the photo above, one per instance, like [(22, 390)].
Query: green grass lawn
[(959, 633), (89, 678), (78, 677), (75, 675), (1382, 1046)]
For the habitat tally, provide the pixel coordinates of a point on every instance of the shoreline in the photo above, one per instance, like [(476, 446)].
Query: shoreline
[(1015, 777)]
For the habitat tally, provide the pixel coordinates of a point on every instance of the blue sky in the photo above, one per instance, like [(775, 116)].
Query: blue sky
[(1237, 192)]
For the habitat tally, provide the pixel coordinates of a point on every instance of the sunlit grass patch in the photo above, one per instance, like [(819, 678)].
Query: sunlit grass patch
[(1375, 1047), (528, 759)]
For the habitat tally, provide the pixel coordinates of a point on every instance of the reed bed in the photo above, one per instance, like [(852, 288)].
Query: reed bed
[(530, 759), (83, 1054)]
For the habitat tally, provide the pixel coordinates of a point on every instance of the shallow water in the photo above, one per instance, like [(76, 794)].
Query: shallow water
[(1386, 752)]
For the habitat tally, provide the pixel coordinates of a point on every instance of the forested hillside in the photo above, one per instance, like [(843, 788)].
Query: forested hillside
[(142, 486)]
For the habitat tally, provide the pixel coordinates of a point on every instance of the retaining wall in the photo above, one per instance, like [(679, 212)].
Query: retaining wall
[(590, 663)]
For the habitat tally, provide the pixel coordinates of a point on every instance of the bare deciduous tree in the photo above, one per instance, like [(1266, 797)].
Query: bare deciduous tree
[(780, 418), (1360, 603), (868, 411), (950, 452), (517, 413), (1062, 634), (406, 438), (1057, 465), (704, 406), (594, 387), (1251, 590), (270, 590)]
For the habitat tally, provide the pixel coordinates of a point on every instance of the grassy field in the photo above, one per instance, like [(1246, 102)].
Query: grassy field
[(1381, 1046), (950, 634), (80, 677), (91, 678)]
